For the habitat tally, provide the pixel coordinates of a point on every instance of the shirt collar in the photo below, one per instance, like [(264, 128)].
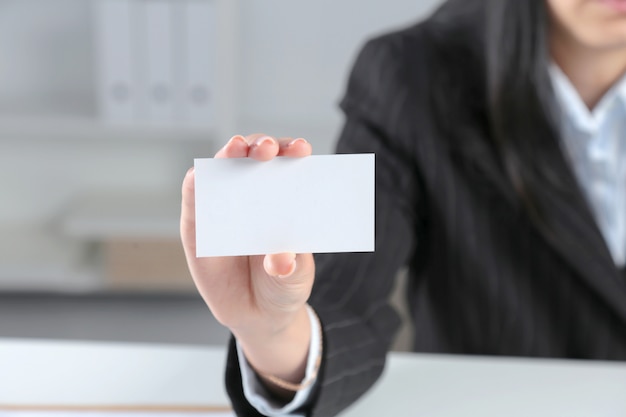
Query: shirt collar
[(621, 90), (573, 106)]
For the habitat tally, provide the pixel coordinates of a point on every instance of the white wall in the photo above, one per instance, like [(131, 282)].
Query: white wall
[(296, 55), (45, 55)]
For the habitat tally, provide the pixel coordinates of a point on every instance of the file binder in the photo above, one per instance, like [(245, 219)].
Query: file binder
[(154, 26), (199, 64), (116, 87)]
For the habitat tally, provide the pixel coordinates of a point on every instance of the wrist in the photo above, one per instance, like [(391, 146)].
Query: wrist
[(282, 350), (270, 330)]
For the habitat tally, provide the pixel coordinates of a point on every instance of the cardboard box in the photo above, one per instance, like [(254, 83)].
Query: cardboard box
[(146, 265)]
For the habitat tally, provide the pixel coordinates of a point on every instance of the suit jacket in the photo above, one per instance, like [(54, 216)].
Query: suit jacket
[(485, 278)]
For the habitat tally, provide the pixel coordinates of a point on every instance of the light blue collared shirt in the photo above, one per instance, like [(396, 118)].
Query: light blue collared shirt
[(595, 143)]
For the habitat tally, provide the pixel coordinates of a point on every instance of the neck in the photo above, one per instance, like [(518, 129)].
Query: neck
[(592, 71)]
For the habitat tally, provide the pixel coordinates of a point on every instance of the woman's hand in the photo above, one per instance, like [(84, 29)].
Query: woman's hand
[(261, 299)]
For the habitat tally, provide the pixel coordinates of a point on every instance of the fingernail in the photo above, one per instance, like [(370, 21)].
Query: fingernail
[(189, 171), (264, 140), (298, 140), (236, 138), (291, 270), (270, 267)]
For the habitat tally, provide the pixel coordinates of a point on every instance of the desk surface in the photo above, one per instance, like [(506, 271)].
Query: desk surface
[(60, 373)]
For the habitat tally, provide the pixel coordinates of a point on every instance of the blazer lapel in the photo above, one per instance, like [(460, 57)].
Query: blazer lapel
[(570, 228), (565, 218)]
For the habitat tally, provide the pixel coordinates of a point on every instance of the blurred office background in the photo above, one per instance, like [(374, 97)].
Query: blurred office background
[(103, 106)]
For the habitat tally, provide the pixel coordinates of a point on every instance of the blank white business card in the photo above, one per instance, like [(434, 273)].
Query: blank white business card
[(317, 204)]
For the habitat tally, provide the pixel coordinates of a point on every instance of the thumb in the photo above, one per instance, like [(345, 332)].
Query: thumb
[(291, 279)]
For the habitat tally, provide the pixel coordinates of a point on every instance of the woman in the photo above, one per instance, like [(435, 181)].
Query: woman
[(499, 128)]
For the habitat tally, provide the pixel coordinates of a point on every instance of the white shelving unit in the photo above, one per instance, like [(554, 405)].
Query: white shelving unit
[(113, 214), (58, 250), (36, 258), (83, 129)]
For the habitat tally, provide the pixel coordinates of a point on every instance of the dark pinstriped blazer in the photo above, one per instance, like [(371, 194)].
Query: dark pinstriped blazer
[(484, 278)]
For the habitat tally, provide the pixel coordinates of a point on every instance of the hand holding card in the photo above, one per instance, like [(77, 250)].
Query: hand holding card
[(261, 299)]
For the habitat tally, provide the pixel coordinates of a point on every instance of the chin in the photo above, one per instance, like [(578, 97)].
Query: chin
[(610, 44), (606, 37)]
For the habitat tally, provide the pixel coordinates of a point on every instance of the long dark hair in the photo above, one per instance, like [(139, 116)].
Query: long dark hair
[(504, 43), (520, 101)]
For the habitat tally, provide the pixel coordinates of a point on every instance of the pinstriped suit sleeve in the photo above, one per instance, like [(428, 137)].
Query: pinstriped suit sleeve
[(351, 291)]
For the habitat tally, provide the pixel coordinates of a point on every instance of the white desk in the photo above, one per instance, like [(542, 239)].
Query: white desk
[(61, 373)]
